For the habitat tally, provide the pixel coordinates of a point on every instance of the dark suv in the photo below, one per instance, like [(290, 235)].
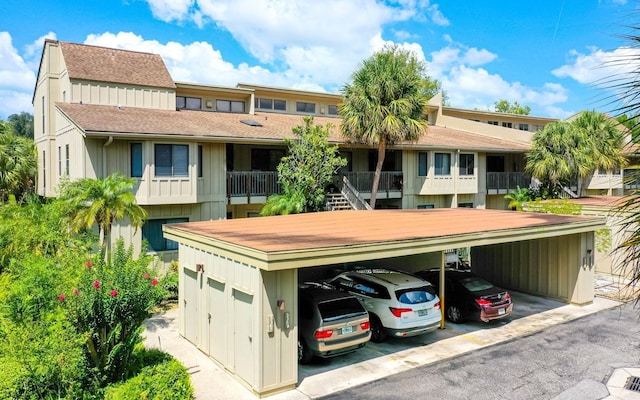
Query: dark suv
[(331, 322)]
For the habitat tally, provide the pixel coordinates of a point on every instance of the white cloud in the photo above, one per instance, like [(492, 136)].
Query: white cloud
[(17, 79), (437, 17), (597, 66), (171, 10)]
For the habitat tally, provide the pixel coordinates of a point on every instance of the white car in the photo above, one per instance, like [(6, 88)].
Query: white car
[(399, 304)]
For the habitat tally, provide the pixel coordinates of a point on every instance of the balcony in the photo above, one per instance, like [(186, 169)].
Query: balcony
[(251, 187), (631, 178), (503, 182)]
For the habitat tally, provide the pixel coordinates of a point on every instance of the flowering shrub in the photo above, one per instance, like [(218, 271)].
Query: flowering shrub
[(108, 307)]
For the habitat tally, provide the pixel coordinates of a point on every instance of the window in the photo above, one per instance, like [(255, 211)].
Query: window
[(66, 159), (507, 124), (523, 127), (188, 103), (303, 107), (465, 205), (200, 161), (172, 159), (270, 104), (442, 164), (466, 164), (423, 164), (59, 161), (44, 170), (136, 160), (493, 123), (230, 106), (152, 233), (332, 109), (425, 206), (43, 109), (266, 159)]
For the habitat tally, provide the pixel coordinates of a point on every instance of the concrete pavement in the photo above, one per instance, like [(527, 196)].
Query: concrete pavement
[(375, 361)]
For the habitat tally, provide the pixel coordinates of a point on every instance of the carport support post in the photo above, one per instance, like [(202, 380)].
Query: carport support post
[(441, 283)]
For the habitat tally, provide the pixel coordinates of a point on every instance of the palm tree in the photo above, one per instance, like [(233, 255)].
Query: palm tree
[(102, 201), (603, 136), (517, 198), (384, 103), (18, 164)]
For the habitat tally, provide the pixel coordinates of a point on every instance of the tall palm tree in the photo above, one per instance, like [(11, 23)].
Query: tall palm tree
[(102, 201), (606, 140), (18, 164), (384, 103)]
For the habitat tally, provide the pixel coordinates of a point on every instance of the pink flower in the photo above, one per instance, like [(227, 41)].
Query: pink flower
[(75, 291), (96, 284), (113, 293), (88, 264), (62, 297), (154, 282), (146, 275)]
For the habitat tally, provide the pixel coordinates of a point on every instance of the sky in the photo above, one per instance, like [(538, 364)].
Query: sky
[(552, 55)]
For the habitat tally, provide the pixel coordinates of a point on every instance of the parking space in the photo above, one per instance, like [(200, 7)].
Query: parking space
[(376, 361)]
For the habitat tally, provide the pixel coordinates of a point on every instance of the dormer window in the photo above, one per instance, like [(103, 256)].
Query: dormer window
[(188, 103), (230, 106), (302, 107)]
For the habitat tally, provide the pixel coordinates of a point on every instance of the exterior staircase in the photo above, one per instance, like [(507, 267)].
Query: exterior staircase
[(337, 202)]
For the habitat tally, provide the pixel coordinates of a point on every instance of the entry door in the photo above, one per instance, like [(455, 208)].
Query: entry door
[(243, 336), (217, 321), (190, 301)]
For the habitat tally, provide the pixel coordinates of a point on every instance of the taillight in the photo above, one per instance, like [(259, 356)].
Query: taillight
[(507, 297), (397, 312), (437, 305), (483, 302), (365, 326), (324, 334)]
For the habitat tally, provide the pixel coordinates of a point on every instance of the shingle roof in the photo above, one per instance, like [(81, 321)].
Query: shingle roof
[(276, 127), (95, 63)]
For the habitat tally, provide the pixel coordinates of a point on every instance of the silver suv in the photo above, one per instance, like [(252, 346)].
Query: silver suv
[(399, 304), (332, 322)]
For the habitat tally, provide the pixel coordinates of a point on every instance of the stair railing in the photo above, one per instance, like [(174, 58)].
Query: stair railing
[(353, 196)]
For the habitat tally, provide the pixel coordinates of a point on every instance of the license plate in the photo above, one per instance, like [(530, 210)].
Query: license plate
[(501, 311), (422, 313), (347, 329)]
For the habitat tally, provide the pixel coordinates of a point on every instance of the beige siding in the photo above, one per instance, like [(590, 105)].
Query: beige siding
[(110, 94), (240, 341), (560, 268)]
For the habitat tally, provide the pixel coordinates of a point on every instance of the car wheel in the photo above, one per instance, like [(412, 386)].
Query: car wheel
[(454, 314), (377, 332), (304, 354)]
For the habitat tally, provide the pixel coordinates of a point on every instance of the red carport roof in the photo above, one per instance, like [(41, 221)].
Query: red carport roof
[(356, 228)]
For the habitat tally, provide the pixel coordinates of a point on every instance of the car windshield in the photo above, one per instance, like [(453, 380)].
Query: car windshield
[(475, 284), (340, 308), (417, 295)]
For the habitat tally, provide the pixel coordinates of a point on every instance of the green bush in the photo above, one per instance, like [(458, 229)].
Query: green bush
[(108, 306), (168, 380), (170, 282)]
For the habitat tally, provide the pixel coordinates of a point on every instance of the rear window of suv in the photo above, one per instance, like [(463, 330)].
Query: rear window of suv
[(416, 295), (340, 308)]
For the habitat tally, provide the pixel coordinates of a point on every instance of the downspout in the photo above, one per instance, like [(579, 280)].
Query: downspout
[(441, 283), (104, 155)]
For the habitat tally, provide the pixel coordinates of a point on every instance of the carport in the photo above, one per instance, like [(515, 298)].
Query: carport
[(238, 278)]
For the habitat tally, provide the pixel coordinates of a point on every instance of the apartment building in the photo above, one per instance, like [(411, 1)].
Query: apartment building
[(203, 152)]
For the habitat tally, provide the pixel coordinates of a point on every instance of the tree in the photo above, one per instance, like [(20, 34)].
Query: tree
[(305, 171), (22, 124), (384, 104), (431, 87), (564, 151), (18, 164), (518, 197), (504, 106), (102, 201)]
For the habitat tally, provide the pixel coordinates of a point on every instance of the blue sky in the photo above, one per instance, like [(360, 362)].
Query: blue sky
[(548, 54)]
